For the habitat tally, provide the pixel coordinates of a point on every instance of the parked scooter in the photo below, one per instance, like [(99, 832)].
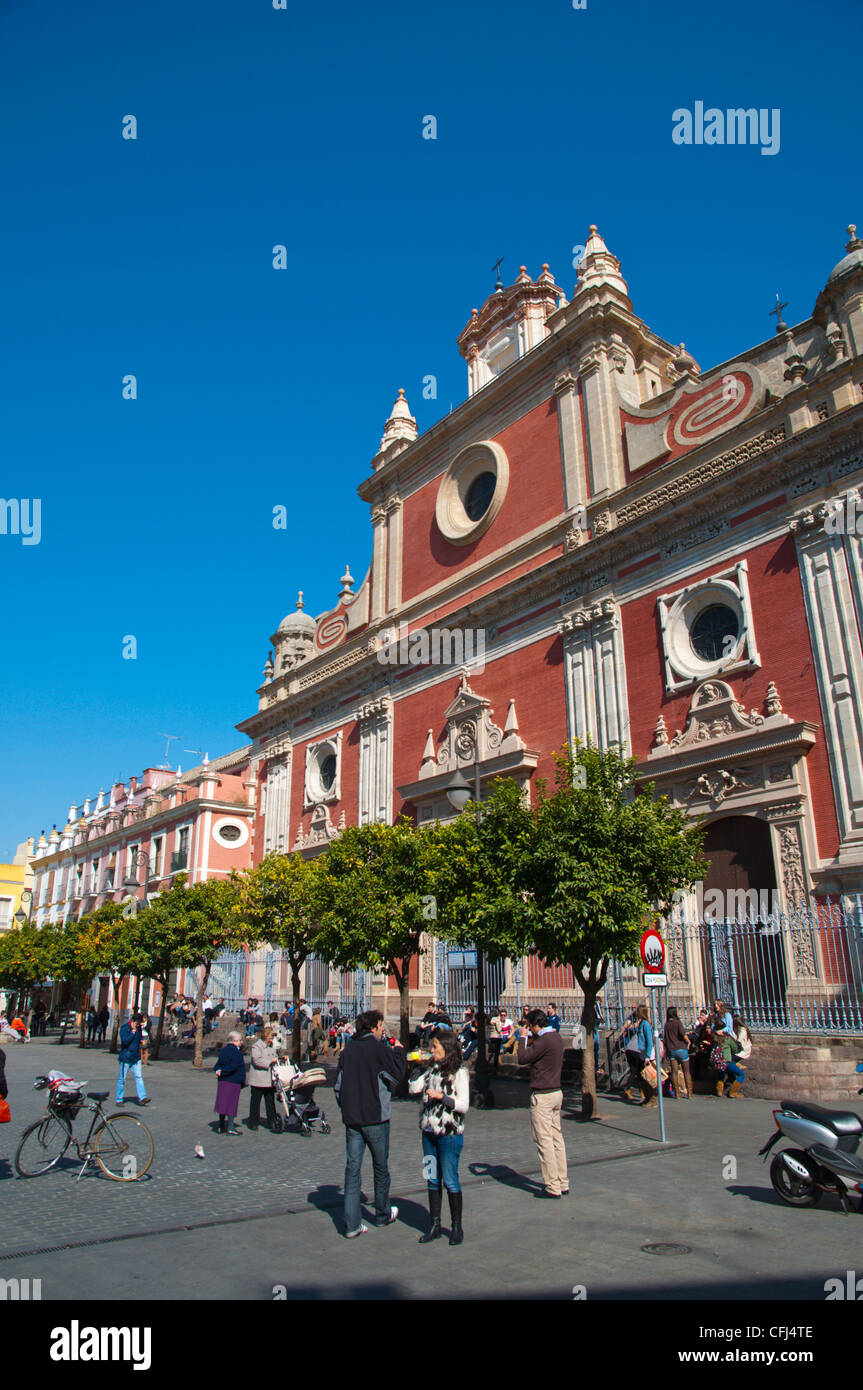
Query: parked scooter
[(828, 1162)]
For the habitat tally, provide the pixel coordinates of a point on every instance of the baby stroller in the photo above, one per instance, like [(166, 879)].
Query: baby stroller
[(296, 1090)]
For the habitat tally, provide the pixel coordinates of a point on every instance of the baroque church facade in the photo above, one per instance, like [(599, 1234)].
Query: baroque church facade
[(644, 552)]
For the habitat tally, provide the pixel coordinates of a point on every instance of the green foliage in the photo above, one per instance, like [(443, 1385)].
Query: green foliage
[(605, 856), (374, 880), (279, 901), (477, 874), (25, 957)]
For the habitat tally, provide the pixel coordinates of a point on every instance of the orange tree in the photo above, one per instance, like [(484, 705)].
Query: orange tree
[(187, 927), (279, 902), (375, 900)]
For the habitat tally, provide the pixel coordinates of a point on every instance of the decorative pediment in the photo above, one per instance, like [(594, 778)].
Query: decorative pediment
[(714, 713), (471, 734), (321, 829)]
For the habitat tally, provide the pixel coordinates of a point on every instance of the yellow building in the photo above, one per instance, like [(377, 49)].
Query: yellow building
[(16, 878)]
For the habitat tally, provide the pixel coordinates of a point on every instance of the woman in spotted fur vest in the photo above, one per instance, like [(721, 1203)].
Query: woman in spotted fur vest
[(445, 1094)]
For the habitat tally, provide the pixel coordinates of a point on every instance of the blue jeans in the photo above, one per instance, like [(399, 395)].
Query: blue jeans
[(733, 1072), (377, 1138), (135, 1069), (441, 1153)]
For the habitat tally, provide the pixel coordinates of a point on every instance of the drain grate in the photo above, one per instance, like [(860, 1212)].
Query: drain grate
[(658, 1248)]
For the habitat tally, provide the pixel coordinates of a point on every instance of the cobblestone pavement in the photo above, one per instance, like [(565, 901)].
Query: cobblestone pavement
[(263, 1212)]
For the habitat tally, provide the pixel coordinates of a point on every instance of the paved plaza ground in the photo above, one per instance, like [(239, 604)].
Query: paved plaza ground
[(262, 1213)]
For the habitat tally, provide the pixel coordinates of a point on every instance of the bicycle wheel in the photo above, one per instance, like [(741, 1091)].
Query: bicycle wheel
[(123, 1148), (42, 1145)]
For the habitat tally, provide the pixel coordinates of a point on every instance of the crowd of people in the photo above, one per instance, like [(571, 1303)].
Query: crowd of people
[(710, 1052)]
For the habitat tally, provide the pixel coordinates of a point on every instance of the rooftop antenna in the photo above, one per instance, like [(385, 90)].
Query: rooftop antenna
[(169, 739), (200, 752)]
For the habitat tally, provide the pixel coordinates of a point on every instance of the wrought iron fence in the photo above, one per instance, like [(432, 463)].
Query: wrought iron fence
[(798, 972), (265, 975)]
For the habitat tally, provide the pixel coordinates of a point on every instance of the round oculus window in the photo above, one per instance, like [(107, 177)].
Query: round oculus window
[(327, 771), (479, 495), (715, 632), (472, 492), (230, 833)]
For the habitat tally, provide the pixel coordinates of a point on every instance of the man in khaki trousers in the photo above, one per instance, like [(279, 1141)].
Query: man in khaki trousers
[(541, 1049)]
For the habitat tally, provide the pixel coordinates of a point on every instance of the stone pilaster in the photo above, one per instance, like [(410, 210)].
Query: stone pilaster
[(596, 696)]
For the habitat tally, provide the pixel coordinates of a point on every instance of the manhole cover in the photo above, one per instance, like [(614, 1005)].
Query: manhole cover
[(657, 1248)]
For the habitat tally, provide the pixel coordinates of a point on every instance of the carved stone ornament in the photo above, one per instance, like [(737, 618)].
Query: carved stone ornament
[(321, 829), (605, 610), (714, 713), (717, 786), (471, 734)]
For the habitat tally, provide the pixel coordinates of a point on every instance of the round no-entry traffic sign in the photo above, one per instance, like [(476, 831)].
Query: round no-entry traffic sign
[(652, 951)]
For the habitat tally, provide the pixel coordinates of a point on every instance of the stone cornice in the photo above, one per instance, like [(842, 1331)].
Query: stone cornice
[(130, 834)]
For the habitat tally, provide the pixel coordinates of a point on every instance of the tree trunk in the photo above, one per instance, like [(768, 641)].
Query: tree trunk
[(405, 1005), (198, 1059), (295, 1030), (115, 1027), (588, 1061), (82, 1041), (154, 1051)]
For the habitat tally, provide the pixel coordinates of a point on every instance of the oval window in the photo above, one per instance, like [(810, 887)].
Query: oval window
[(711, 631), (479, 495), (230, 833), (328, 772)]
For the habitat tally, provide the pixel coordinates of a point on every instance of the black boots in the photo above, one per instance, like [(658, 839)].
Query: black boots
[(434, 1231), (456, 1232)]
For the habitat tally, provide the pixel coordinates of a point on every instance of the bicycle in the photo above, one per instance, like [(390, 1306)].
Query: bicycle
[(121, 1144)]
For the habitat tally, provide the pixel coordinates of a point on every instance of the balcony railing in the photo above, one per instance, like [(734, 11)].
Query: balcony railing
[(179, 861)]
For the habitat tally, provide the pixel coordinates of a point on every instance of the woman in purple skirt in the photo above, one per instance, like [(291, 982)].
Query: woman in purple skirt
[(231, 1071)]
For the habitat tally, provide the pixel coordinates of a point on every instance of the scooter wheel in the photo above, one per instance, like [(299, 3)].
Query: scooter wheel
[(796, 1191)]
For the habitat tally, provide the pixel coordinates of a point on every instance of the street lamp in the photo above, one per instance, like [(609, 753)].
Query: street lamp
[(21, 916), (137, 859), (459, 794)]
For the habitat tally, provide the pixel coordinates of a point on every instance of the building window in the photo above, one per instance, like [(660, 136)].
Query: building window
[(180, 857), (131, 858), (707, 629), (230, 833), (479, 495), (323, 771), (156, 857), (5, 914), (94, 879), (714, 632), (471, 492)]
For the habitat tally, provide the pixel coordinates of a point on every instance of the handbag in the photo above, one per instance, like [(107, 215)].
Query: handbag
[(716, 1060), (5, 1112), (648, 1074)]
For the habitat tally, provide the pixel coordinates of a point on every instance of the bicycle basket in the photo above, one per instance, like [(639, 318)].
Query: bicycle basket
[(66, 1102)]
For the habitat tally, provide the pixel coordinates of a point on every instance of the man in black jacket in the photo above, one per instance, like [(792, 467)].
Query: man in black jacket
[(369, 1070)]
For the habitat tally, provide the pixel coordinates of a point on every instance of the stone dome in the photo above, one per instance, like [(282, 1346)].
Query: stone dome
[(298, 621), (853, 260)]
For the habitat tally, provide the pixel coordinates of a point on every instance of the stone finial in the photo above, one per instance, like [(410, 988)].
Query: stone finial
[(854, 242), (511, 725), (599, 267), (429, 750), (660, 733), (400, 426), (268, 668), (772, 701), (347, 581)]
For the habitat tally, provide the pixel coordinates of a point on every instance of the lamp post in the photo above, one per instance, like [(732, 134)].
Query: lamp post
[(459, 794), (137, 859), (21, 916)]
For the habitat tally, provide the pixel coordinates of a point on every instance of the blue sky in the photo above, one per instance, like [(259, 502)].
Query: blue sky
[(256, 387)]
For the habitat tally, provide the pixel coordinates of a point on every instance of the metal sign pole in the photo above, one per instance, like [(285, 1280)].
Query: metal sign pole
[(656, 1038)]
